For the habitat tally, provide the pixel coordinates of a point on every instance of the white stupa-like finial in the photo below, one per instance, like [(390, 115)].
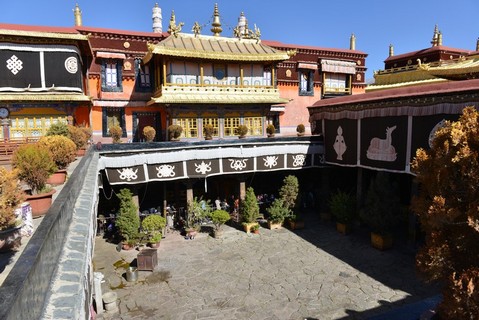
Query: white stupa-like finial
[(157, 19)]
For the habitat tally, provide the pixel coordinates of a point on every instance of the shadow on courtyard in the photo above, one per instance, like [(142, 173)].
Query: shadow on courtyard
[(394, 268)]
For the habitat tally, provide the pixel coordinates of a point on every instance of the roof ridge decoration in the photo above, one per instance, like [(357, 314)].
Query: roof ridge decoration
[(173, 28)]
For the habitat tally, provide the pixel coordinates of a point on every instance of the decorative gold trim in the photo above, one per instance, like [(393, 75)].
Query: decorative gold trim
[(39, 34)]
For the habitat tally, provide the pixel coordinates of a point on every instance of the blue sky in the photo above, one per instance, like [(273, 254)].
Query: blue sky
[(406, 24)]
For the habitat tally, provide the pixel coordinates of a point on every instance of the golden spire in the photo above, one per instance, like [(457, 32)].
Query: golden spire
[(391, 50), (216, 22), (435, 37), (77, 13), (439, 38), (477, 44), (352, 42)]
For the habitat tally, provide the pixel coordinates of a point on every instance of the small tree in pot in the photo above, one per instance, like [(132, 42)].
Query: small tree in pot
[(300, 129), (343, 207), (11, 196), (249, 209), (219, 218), (153, 226), (62, 150), (150, 133), (127, 221), (174, 132), (278, 212), (115, 132), (208, 130), (242, 131), (270, 130)]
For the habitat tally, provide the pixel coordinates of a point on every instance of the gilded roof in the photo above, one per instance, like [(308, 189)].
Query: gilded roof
[(215, 48), (218, 95), (457, 68)]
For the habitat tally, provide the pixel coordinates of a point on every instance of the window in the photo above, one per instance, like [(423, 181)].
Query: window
[(26, 126), (111, 74), (255, 125), (267, 77), (113, 117), (230, 126), (190, 127), (306, 82), (144, 77), (215, 123), (335, 83)]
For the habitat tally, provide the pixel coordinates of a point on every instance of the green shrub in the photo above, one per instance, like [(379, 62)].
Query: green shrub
[(152, 226), (58, 129), (62, 150), (278, 211), (289, 192), (208, 130), (219, 217), (249, 207), (343, 207), (127, 221), (34, 164), (11, 196), (300, 128)]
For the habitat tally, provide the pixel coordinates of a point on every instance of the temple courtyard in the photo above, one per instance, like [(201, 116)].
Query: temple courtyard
[(313, 273)]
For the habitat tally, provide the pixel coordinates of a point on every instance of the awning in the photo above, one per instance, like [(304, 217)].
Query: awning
[(336, 66), (110, 55), (309, 66), (278, 108)]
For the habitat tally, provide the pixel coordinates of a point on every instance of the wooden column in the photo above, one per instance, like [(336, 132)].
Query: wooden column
[(242, 190)]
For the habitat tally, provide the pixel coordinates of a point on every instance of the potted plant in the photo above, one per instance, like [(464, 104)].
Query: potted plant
[(300, 129), (174, 132), (11, 196), (208, 130), (249, 210), (242, 131), (79, 137), (382, 210), (153, 226), (35, 165), (149, 133), (127, 220), (270, 130), (88, 132), (343, 208), (278, 212), (255, 229), (198, 210), (58, 129), (219, 218), (115, 132), (63, 152)]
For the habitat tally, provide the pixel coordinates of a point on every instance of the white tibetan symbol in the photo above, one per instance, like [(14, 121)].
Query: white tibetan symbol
[(339, 144), (382, 149)]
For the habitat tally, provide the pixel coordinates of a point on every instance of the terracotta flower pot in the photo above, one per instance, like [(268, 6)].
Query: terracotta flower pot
[(81, 152), (57, 178), (40, 203)]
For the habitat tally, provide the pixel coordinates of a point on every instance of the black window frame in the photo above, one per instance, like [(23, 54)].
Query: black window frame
[(138, 84), (105, 111), (310, 82), (119, 76)]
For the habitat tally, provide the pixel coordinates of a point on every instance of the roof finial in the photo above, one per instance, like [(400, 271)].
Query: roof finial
[(477, 44), (172, 27), (352, 42), (216, 22), (157, 19), (77, 14), (439, 38), (435, 36), (391, 50)]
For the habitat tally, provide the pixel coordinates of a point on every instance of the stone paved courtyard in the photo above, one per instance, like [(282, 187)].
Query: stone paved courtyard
[(314, 273)]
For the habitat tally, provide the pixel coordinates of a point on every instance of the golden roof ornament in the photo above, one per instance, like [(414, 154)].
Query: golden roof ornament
[(242, 31), (196, 28), (173, 28), (77, 14), (216, 29), (477, 44), (352, 42)]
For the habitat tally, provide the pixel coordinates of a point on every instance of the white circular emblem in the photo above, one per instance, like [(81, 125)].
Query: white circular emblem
[(432, 134), (71, 64)]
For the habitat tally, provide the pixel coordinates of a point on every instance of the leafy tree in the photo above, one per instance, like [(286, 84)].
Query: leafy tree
[(249, 206), (289, 192), (447, 206)]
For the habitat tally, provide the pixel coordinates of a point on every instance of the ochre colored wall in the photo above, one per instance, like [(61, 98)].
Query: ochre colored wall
[(296, 111)]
